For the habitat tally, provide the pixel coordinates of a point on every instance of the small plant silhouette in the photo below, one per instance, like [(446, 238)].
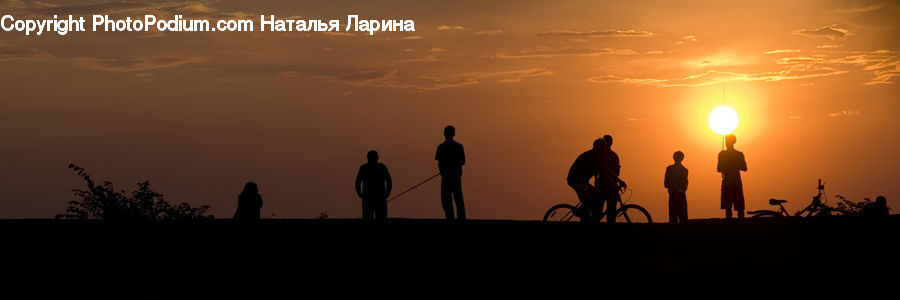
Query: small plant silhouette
[(858, 208), (103, 202)]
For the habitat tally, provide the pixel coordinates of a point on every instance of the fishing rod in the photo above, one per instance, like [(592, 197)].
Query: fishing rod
[(414, 187)]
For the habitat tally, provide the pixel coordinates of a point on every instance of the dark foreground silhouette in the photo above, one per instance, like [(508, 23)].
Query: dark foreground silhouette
[(676, 182), (451, 157), (601, 164), (249, 204), (731, 163), (812, 256), (102, 201), (373, 185)]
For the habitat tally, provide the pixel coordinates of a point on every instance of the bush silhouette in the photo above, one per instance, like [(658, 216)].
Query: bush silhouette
[(103, 202), (865, 207)]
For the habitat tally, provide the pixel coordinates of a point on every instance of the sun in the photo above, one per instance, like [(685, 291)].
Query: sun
[(723, 120)]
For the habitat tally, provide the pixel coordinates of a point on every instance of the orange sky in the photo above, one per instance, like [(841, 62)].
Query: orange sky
[(528, 84)]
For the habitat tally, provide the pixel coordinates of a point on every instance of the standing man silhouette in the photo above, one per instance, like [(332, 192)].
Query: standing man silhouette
[(676, 182), (451, 158), (373, 185), (731, 163)]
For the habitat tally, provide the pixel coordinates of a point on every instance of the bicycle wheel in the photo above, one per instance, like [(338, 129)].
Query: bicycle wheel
[(561, 213), (633, 213), (764, 214)]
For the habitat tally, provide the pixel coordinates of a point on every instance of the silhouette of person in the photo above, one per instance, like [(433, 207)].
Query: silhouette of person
[(373, 185), (451, 158), (249, 204), (676, 181), (731, 163), (881, 208), (591, 164), (615, 166), (613, 159)]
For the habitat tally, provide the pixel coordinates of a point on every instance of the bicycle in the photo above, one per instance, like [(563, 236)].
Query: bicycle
[(817, 208), (626, 213)]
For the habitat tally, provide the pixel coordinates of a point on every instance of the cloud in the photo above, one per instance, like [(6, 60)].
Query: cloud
[(145, 77), (871, 60), (687, 38), (844, 113), (832, 32), (420, 59), (798, 60), (547, 52), (828, 46), (491, 32), (135, 64), (189, 9), (599, 33), (882, 63), (397, 79), (884, 75), (339, 33), (782, 51), (437, 49), (400, 79), (654, 52), (448, 27), (407, 38), (715, 77), (112, 7), (869, 8), (14, 53)]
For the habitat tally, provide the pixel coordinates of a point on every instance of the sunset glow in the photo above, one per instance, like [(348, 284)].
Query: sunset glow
[(809, 87), (723, 120), (151, 147)]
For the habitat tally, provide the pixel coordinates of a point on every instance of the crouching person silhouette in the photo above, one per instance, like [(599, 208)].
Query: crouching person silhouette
[(373, 185), (249, 204)]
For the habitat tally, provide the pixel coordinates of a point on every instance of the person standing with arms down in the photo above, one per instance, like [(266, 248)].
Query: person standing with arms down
[(373, 185), (676, 181), (451, 158), (731, 163)]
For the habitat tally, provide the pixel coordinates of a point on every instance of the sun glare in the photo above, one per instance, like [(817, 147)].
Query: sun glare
[(723, 120)]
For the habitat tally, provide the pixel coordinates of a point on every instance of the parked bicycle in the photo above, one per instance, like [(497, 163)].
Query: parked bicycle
[(817, 208), (626, 213)]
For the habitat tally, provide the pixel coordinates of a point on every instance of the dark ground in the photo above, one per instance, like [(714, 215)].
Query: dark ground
[(430, 259)]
